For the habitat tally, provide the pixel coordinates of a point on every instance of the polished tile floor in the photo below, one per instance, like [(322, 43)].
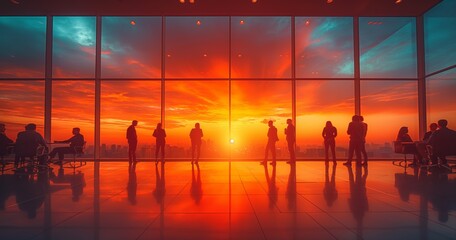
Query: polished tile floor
[(219, 200)]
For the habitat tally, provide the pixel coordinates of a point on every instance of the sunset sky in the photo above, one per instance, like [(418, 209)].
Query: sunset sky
[(197, 54)]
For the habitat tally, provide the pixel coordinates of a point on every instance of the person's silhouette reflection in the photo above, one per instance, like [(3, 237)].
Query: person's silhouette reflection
[(442, 193), (132, 184), (196, 189), (31, 192), (272, 188), (330, 191), (291, 188), (159, 191), (77, 183), (358, 202)]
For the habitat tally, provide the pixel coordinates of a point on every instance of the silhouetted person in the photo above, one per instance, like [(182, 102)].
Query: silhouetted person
[(363, 143), (196, 190), (443, 141), (195, 137), (356, 132), (132, 186), (290, 132), (270, 146), (432, 128), (27, 144), (76, 144), (421, 146), (329, 134), (409, 145), (330, 191), (5, 143), (132, 142), (160, 135)]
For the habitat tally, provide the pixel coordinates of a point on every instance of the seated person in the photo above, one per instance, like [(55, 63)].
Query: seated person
[(421, 146), (27, 143), (76, 143), (5, 142), (443, 141), (432, 128), (411, 148)]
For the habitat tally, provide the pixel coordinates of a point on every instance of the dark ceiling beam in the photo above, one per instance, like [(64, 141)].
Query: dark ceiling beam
[(217, 7)]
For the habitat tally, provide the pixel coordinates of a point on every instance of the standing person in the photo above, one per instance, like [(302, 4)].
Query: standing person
[(290, 131), (270, 146), (363, 143), (76, 143), (356, 132), (195, 136), (160, 135), (132, 142), (329, 134), (5, 142), (432, 128)]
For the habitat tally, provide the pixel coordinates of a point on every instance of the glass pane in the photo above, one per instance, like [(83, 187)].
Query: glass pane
[(203, 102), (22, 103), (261, 47), (251, 110), (387, 47), (197, 47), (316, 103), (386, 107), (20, 57), (73, 105), (441, 100), (73, 49), (324, 47), (131, 47), (121, 103), (439, 36)]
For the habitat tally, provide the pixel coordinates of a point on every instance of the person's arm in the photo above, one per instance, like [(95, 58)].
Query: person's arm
[(70, 140), (323, 133), (335, 132)]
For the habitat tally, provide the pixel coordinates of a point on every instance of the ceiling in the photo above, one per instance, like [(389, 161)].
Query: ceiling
[(218, 7)]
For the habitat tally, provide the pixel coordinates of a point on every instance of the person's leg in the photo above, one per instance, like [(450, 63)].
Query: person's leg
[(351, 149), (326, 151), (130, 153), (363, 152), (198, 151), (333, 151), (273, 150), (162, 152), (291, 150), (64, 150), (357, 149), (157, 148)]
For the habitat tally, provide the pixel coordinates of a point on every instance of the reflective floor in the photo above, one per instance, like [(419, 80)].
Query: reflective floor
[(219, 200)]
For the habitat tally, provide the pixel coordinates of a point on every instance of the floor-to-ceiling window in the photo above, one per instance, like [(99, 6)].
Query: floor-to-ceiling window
[(254, 69), (441, 62)]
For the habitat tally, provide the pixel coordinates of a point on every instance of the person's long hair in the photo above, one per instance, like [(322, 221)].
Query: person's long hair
[(402, 131)]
